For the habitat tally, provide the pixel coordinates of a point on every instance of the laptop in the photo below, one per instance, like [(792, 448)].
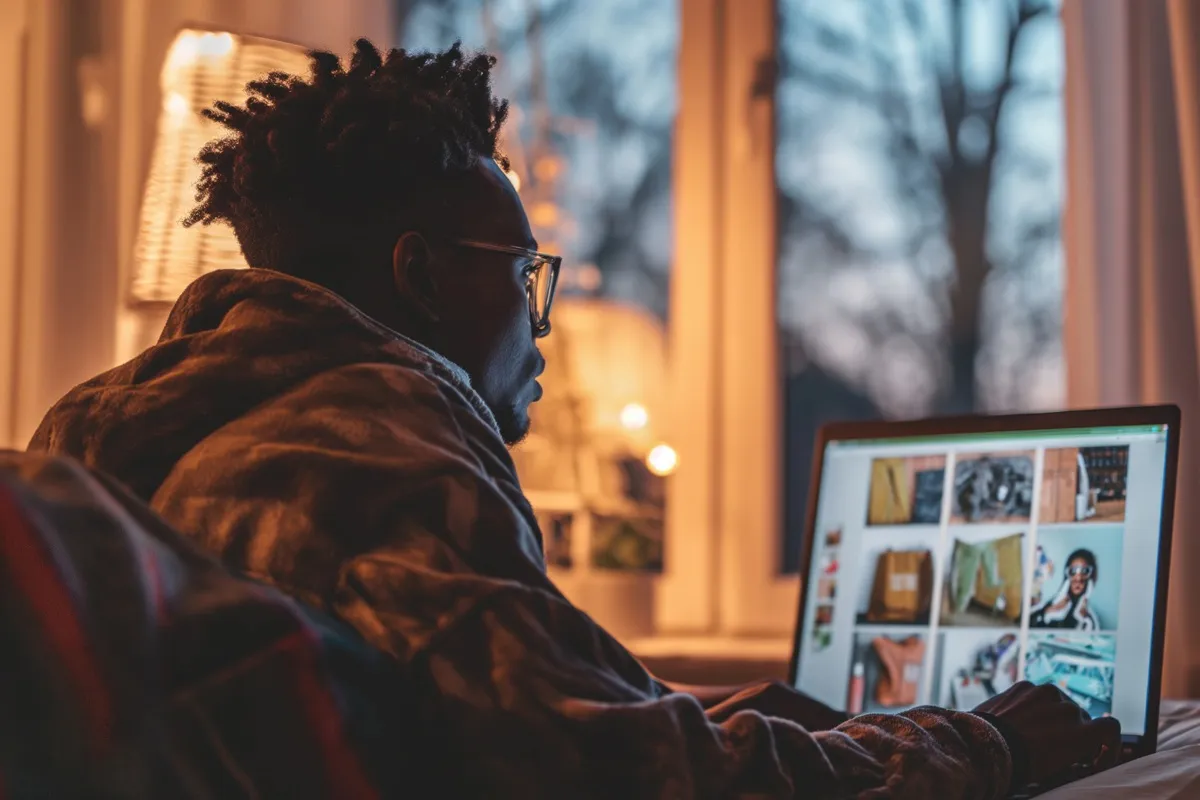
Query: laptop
[(946, 559)]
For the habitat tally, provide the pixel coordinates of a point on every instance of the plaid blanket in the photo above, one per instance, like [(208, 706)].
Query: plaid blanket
[(135, 666), (356, 471)]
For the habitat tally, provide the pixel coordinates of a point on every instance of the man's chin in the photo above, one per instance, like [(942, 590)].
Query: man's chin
[(514, 427)]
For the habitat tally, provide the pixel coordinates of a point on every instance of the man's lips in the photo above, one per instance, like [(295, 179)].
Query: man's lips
[(536, 384)]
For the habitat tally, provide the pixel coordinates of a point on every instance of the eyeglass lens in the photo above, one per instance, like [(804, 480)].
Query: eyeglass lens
[(539, 289)]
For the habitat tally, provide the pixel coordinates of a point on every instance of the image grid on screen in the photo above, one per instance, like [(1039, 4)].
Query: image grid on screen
[(946, 572)]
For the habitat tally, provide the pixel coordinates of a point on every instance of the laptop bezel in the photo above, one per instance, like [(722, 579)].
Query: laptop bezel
[(1169, 415)]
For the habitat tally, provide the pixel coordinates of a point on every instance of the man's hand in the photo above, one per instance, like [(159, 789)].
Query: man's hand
[(777, 699), (1056, 733)]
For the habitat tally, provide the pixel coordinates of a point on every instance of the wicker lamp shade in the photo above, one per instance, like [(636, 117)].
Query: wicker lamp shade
[(200, 68)]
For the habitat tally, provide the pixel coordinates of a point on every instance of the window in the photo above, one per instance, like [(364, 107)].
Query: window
[(817, 210), (920, 179)]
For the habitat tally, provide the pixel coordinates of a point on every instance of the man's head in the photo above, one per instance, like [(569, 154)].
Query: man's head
[(1081, 568), (381, 182)]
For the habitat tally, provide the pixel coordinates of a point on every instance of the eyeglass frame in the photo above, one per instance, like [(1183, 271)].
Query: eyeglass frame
[(540, 321)]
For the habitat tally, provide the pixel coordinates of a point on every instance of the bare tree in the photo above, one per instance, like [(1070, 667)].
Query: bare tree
[(938, 83)]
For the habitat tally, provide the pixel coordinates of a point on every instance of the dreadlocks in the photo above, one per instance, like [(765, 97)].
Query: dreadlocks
[(322, 171)]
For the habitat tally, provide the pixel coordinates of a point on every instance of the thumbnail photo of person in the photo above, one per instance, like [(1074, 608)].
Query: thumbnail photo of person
[(886, 673), (992, 488), (1081, 665), (1076, 580), (906, 491), (1085, 484), (983, 581), (897, 587), (974, 665)]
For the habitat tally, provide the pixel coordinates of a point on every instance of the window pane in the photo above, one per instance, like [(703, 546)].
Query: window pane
[(919, 165), (593, 94)]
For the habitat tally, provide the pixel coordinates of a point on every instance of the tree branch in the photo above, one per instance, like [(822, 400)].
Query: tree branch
[(1026, 12), (835, 83), (951, 90)]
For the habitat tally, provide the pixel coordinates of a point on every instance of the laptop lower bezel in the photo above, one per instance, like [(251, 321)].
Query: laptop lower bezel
[(1168, 415)]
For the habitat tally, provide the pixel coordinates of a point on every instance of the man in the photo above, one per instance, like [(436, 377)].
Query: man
[(1069, 607), (334, 422)]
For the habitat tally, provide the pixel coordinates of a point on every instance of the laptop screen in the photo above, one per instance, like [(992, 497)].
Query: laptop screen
[(943, 569)]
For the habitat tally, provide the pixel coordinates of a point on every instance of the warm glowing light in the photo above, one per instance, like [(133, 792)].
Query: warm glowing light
[(634, 417), (185, 49), (544, 214), (190, 48), (215, 45), (514, 178), (662, 460), (177, 105), (200, 68), (547, 168)]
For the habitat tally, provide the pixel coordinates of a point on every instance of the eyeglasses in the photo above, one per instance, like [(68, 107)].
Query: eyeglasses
[(541, 275), (1085, 571)]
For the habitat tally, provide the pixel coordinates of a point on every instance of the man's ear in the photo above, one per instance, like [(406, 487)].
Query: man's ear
[(413, 275)]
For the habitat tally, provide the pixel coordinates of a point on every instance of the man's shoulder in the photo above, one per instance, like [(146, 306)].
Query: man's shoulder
[(404, 417)]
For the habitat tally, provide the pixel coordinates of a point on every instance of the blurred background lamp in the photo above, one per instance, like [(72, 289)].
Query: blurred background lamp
[(200, 68), (662, 460)]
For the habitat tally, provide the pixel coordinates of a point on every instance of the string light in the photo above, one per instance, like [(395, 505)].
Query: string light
[(662, 460), (634, 417)]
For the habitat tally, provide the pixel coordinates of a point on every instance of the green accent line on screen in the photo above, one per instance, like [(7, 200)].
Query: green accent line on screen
[(951, 438)]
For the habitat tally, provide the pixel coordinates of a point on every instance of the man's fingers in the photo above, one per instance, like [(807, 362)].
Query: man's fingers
[(1097, 739), (1106, 732)]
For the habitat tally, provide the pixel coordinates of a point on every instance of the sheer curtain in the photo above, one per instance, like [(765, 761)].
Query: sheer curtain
[(1132, 238)]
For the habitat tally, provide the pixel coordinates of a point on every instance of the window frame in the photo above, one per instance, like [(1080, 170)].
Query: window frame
[(724, 553), (685, 600), (755, 597), (14, 26)]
